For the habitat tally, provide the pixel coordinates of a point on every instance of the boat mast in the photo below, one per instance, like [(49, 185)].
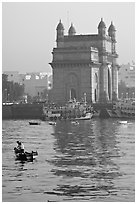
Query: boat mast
[(70, 94), (85, 98)]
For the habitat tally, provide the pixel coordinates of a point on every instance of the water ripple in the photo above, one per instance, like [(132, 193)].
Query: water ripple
[(94, 161)]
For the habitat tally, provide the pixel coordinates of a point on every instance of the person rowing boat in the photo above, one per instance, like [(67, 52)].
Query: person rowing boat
[(20, 147), (23, 155)]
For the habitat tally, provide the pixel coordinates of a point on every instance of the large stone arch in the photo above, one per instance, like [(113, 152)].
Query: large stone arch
[(72, 86)]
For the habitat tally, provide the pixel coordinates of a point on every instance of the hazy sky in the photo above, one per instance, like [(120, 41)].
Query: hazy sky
[(29, 30)]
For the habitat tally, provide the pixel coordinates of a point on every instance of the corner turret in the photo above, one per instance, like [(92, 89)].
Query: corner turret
[(71, 30), (60, 33), (102, 28), (112, 32)]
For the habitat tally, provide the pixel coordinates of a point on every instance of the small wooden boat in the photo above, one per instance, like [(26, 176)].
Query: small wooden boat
[(34, 123), (123, 122), (25, 156), (75, 122), (52, 123)]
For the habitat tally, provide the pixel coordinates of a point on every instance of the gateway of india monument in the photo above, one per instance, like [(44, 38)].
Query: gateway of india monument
[(85, 65)]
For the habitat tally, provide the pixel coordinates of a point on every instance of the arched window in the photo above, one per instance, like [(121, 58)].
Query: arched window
[(109, 85)]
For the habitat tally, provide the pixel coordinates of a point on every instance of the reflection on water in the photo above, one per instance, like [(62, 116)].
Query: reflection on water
[(93, 161), (89, 154)]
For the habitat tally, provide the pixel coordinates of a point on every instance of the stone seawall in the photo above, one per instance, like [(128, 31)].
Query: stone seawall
[(103, 109), (6, 112), (22, 111)]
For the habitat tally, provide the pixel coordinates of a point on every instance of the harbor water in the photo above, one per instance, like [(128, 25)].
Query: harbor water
[(91, 161)]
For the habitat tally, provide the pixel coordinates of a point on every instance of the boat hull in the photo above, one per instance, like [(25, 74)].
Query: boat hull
[(25, 156), (87, 117), (34, 123), (83, 118), (117, 114)]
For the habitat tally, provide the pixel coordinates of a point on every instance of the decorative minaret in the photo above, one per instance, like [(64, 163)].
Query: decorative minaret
[(102, 38), (102, 28), (112, 34), (60, 34), (103, 72), (71, 30)]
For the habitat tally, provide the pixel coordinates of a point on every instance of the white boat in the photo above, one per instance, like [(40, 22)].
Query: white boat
[(75, 122), (123, 122), (88, 116), (72, 110)]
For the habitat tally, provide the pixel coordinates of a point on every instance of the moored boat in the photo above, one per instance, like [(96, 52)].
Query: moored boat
[(123, 109), (34, 123), (75, 122), (123, 122), (72, 110), (87, 116), (51, 113), (52, 123)]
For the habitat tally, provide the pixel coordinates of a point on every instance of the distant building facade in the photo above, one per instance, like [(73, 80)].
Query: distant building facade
[(34, 83), (12, 76), (85, 64), (126, 74)]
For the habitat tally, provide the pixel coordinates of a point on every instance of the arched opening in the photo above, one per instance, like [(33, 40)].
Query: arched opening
[(95, 95), (73, 93), (109, 85), (96, 88), (72, 87)]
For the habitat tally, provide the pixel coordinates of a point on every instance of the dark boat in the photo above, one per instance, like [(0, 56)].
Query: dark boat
[(52, 123), (34, 123), (25, 156)]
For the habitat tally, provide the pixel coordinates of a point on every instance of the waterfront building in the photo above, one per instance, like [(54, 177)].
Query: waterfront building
[(85, 65), (126, 74), (35, 83)]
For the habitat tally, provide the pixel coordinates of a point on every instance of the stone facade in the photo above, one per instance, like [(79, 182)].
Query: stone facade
[(85, 64)]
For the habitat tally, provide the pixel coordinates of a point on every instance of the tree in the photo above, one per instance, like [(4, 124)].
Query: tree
[(11, 91), (18, 91), (4, 81), (4, 87)]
